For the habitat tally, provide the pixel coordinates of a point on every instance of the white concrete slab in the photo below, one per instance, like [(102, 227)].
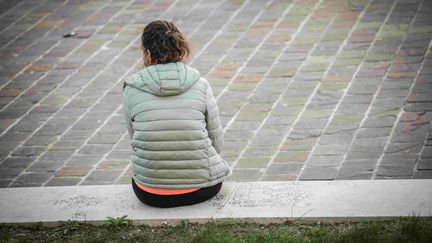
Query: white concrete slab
[(94, 204), (329, 200), (339, 200)]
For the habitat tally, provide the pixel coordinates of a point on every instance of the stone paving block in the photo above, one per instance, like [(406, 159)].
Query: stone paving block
[(422, 174), (284, 73), (405, 147), (113, 164), (16, 162), (424, 164), (331, 149), (245, 175), (101, 177), (10, 173), (95, 149), (299, 145), (49, 166), (54, 156), (318, 173), (63, 181), (90, 159), (120, 154), (354, 176), (73, 170), (291, 156), (284, 168), (253, 162), (327, 160), (29, 178)]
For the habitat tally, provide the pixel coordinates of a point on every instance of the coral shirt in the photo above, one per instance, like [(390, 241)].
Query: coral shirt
[(161, 191)]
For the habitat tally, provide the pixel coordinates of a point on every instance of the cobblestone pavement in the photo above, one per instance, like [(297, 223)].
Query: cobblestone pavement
[(307, 89)]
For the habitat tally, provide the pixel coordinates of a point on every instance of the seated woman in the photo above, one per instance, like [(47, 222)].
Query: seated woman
[(173, 121)]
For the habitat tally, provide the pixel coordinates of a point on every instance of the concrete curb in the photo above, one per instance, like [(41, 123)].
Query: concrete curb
[(263, 202)]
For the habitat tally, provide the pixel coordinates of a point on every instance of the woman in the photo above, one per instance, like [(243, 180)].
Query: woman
[(173, 121)]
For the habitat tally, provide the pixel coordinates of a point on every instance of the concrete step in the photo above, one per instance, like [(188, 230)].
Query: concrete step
[(264, 202)]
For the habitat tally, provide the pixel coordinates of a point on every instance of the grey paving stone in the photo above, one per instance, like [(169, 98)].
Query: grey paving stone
[(120, 154), (63, 181), (321, 161), (424, 164), (90, 159), (95, 149), (245, 175), (392, 171), (379, 121), (422, 174), (426, 152), (341, 127), (340, 138), (399, 159), (284, 168), (406, 132), (45, 166), (331, 149), (29, 178), (101, 177), (318, 173), (369, 144), (374, 132), (10, 173), (354, 176), (55, 156), (24, 151), (406, 147), (359, 165), (358, 155), (4, 183), (40, 140), (105, 138), (14, 162)]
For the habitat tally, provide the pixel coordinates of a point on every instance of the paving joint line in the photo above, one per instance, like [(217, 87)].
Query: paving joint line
[(347, 88), (20, 18), (247, 61), (249, 57), (366, 114), (284, 138), (400, 114), (27, 30), (44, 75), (1, 15), (219, 31), (94, 54), (293, 36)]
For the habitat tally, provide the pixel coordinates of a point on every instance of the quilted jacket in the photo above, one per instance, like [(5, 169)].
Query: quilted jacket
[(173, 121)]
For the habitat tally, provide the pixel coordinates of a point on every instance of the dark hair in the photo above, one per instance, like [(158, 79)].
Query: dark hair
[(165, 42)]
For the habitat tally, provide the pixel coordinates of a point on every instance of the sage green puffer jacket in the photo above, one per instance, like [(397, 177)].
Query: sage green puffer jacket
[(173, 120)]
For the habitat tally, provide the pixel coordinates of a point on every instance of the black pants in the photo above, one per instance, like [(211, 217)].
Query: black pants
[(168, 201)]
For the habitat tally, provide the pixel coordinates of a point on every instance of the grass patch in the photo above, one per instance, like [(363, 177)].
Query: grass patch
[(408, 229)]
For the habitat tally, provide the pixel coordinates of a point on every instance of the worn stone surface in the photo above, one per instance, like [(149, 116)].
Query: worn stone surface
[(324, 92), (330, 201)]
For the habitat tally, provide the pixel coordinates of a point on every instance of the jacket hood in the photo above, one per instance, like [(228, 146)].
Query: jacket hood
[(164, 79)]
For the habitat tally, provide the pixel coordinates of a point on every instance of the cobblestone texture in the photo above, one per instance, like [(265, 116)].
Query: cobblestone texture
[(307, 89)]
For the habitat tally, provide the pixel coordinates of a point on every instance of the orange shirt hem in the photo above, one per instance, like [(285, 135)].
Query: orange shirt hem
[(161, 191)]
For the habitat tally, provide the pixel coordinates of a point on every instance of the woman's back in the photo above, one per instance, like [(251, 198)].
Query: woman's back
[(176, 128), (173, 121)]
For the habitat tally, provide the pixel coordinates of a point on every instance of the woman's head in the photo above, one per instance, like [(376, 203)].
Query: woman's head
[(163, 43)]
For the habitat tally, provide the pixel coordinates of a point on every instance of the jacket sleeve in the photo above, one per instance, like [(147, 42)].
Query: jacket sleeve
[(127, 115), (214, 125)]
